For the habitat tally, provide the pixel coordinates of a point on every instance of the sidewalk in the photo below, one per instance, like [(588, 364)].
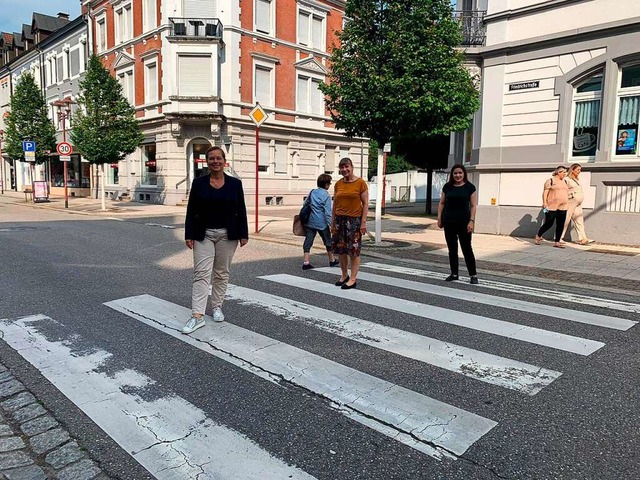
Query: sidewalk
[(410, 236)]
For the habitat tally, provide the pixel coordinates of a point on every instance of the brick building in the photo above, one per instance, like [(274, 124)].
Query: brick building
[(193, 69)]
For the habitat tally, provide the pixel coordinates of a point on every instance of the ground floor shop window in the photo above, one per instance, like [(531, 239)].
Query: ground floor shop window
[(149, 168), (112, 174), (586, 127), (78, 173)]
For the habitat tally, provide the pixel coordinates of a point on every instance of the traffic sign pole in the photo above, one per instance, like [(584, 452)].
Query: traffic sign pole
[(259, 116), (64, 150)]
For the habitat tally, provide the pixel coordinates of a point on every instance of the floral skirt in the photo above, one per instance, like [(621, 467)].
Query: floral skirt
[(347, 239)]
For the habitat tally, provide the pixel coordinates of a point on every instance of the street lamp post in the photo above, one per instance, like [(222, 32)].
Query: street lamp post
[(64, 113), (1, 163)]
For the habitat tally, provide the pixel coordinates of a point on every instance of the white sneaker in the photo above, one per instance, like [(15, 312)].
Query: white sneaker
[(218, 316), (193, 324)]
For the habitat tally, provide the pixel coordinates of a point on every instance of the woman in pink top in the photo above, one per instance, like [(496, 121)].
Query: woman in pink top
[(555, 200)]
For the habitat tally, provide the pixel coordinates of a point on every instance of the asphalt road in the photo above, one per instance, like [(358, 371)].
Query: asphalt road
[(582, 424)]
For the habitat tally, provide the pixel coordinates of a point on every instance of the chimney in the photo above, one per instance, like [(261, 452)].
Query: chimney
[(63, 15)]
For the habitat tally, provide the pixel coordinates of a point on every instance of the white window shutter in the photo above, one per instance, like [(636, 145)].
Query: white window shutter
[(194, 76), (263, 16), (303, 95), (303, 28), (317, 98), (151, 84), (197, 9), (263, 86), (263, 161), (318, 33), (281, 157)]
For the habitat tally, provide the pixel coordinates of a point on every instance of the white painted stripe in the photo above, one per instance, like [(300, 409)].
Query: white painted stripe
[(482, 366), (393, 410), (168, 436), (524, 333), (520, 305), (520, 289)]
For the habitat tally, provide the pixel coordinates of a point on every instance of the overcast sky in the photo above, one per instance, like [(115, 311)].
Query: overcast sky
[(13, 13)]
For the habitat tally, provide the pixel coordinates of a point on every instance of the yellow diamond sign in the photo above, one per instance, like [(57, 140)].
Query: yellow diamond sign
[(258, 115)]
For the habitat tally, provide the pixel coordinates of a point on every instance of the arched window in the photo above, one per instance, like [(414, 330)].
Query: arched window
[(628, 112), (587, 101)]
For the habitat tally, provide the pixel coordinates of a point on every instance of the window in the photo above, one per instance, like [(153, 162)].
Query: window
[(151, 82), (586, 122), (126, 80), (309, 97), (195, 78), (112, 174), (123, 24), (264, 155), (311, 29), (101, 34), (149, 169), (281, 157), (67, 63), (149, 8), (264, 16), (74, 62), (628, 112), (263, 85), (59, 68)]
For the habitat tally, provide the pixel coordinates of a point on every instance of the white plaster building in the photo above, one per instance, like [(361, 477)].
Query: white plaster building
[(560, 84)]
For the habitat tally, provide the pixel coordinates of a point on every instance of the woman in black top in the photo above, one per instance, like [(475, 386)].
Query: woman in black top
[(457, 213), (216, 223)]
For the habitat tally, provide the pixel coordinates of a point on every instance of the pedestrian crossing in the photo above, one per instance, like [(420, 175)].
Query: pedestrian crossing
[(173, 438)]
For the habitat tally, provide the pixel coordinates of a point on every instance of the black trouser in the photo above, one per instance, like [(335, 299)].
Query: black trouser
[(559, 216), (452, 233)]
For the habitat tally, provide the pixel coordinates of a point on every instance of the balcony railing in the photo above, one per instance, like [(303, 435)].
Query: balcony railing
[(473, 29), (196, 27)]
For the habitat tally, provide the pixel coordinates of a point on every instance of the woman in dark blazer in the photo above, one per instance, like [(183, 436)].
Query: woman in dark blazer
[(216, 223)]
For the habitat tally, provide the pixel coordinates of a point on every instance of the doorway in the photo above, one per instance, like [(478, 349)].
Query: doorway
[(197, 159)]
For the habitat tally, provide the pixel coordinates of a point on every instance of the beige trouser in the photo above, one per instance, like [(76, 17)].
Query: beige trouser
[(574, 214), (212, 255)]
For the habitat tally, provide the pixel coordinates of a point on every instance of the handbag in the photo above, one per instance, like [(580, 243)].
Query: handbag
[(305, 211), (299, 230)]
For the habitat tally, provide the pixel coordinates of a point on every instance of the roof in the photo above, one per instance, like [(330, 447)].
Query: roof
[(7, 37), (17, 40), (26, 32), (47, 23)]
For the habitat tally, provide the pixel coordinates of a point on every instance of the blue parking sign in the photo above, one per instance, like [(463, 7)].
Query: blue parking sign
[(29, 146)]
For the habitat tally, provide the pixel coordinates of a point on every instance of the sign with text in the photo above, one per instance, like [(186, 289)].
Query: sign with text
[(64, 148), (514, 87), (30, 156), (65, 158)]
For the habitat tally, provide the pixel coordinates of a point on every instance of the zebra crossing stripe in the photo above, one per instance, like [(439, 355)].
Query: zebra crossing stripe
[(168, 436), (430, 426), (538, 336), (482, 366), (520, 289), (469, 296)]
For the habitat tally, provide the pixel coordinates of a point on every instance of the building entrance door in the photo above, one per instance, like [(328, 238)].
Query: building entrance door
[(198, 161)]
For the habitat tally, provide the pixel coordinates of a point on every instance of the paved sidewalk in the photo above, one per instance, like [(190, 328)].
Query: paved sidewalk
[(33, 445)]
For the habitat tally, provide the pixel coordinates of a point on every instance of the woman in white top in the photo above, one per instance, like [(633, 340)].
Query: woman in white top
[(574, 209)]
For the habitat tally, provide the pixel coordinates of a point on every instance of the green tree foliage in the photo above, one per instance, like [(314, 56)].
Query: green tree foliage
[(28, 120), (105, 129), (398, 71), (395, 163)]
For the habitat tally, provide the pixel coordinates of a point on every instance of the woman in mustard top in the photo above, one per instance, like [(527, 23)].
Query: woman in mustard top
[(348, 221)]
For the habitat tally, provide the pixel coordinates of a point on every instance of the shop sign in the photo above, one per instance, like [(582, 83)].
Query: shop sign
[(114, 165), (150, 163), (514, 87)]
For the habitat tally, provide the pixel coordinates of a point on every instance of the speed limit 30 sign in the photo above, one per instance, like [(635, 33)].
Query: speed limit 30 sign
[(64, 148)]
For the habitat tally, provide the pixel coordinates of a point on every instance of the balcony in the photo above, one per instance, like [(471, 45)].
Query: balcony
[(473, 29), (196, 28)]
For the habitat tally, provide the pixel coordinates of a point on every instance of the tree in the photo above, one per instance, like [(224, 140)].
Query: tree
[(28, 120), (105, 129), (398, 72), (395, 163)]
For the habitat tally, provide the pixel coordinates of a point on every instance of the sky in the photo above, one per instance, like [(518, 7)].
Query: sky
[(13, 13)]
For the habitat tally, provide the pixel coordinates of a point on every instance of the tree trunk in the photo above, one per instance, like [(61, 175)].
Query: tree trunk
[(96, 177), (104, 207), (428, 209)]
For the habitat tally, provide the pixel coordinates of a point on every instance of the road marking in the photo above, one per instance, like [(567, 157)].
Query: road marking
[(538, 336), (482, 366), (168, 436), (520, 289), (431, 426), (470, 296)]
